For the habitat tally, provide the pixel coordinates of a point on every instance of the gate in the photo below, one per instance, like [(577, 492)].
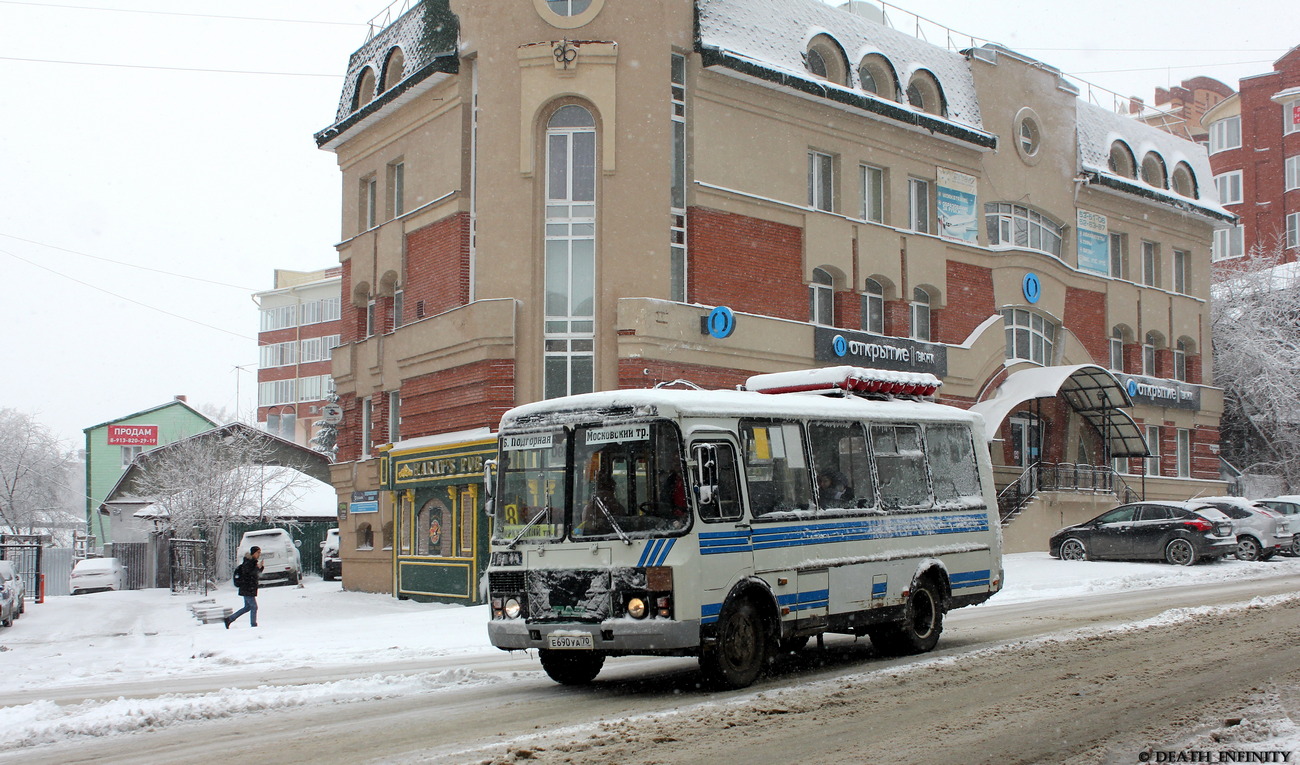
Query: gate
[(26, 557), (135, 557), (188, 566)]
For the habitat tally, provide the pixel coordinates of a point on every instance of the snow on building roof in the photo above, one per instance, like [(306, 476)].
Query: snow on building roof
[(285, 492), (776, 33), (1099, 128)]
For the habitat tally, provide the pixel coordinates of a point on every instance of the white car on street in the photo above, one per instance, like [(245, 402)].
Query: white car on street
[(98, 574), (280, 556)]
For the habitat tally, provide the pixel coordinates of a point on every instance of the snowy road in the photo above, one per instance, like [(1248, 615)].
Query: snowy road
[(1062, 672)]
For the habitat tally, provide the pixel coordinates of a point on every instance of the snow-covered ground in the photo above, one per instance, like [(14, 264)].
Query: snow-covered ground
[(118, 638)]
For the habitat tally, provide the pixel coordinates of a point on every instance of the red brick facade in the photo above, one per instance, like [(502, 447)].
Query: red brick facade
[(748, 264), (969, 302), (1085, 316), (437, 268), (461, 398), (645, 373)]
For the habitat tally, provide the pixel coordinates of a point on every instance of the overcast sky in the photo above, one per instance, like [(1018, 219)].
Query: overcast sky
[(136, 147)]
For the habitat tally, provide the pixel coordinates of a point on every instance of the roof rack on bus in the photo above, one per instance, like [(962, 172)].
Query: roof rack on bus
[(684, 383), (870, 383)]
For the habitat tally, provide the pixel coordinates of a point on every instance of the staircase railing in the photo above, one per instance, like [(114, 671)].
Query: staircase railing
[(1046, 476)]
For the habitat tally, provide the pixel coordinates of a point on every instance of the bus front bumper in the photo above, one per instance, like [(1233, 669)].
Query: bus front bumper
[(649, 636)]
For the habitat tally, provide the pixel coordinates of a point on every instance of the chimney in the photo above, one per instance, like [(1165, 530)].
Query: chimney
[(180, 398)]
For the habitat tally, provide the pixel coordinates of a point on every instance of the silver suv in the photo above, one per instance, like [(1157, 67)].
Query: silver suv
[(11, 582), (1261, 532)]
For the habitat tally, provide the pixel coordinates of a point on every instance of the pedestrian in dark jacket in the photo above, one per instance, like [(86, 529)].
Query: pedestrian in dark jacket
[(247, 575)]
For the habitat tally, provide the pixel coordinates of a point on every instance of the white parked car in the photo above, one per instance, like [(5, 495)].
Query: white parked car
[(1261, 532), (98, 574), (12, 582), (331, 565), (280, 556)]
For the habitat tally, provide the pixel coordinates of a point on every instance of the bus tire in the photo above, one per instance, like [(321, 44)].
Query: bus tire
[(919, 629), (571, 667), (738, 656)]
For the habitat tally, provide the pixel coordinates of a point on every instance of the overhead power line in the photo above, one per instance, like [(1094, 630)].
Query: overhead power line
[(127, 299), (164, 68), (177, 13), (1162, 68), (129, 265)]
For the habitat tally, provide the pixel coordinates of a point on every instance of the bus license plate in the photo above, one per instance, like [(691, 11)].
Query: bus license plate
[(569, 642)]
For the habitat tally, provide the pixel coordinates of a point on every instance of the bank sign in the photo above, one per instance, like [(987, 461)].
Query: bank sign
[(1167, 393), (861, 349)]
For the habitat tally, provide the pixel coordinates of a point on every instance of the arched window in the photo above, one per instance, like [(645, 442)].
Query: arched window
[(1121, 160), (877, 76), (1016, 225), (1183, 181), (570, 252), (825, 59), (920, 315), (1152, 342), (1030, 336), (924, 93), (1153, 171), (822, 298), (568, 7), (365, 537), (873, 308), (365, 89), (394, 68), (388, 535)]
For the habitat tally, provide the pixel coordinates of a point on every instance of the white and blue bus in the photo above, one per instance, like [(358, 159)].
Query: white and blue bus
[(731, 525)]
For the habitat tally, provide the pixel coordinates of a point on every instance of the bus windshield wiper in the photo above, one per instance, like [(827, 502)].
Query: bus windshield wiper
[(610, 517), (546, 505)]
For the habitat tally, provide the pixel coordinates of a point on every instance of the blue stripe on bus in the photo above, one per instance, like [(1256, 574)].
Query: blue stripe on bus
[(664, 549), (801, 601), (970, 579), (878, 589), (714, 543), (645, 554)]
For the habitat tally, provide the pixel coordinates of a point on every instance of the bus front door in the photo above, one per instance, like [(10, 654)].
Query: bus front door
[(726, 552)]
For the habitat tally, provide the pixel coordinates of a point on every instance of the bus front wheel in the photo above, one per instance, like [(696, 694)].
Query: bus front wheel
[(737, 658), (918, 631), (571, 667)]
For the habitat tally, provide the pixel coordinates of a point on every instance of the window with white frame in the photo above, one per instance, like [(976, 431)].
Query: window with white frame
[(1149, 346), (821, 181), (1117, 349), (367, 424), (1182, 271), (394, 416), (1229, 187), (1152, 462), (280, 317), (369, 202), (920, 315), (677, 188), (1018, 226), (1293, 230), (873, 308), (331, 309), (873, 194), (129, 453), (1030, 336), (1184, 453), (822, 298), (1291, 116), (275, 392), (1180, 359), (278, 355), (309, 312), (1293, 173), (313, 349), (397, 185), (371, 316), (331, 342), (1150, 264), (1225, 134), (918, 205), (1228, 243), (399, 301), (1119, 256)]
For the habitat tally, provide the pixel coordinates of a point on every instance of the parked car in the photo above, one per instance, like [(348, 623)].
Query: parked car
[(331, 565), (1261, 532), (280, 556), (8, 604), (1180, 533), (1288, 505), (93, 574), (10, 578)]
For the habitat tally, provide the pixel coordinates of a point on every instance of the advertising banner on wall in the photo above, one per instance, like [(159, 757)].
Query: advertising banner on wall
[(861, 349), (132, 435), (956, 206), (364, 502), (1094, 242), (1171, 394)]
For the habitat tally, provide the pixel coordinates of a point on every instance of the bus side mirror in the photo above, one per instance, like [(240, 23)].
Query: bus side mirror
[(706, 473), (489, 485)]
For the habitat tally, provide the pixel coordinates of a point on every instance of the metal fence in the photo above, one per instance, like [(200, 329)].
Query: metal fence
[(137, 560), (188, 567), (26, 557)]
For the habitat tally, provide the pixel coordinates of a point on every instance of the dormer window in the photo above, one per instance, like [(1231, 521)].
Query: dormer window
[(825, 59), (1121, 160)]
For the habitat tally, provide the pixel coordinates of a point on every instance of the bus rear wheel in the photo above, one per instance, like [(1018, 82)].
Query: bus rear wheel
[(737, 659), (919, 629), (571, 667)]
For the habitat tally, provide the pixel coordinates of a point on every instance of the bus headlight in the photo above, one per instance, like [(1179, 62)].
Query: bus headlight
[(636, 608), (512, 608)]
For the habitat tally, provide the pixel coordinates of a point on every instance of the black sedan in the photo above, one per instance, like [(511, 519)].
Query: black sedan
[(1180, 533)]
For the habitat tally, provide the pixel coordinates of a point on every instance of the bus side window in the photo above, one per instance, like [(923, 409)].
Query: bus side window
[(776, 469), (953, 469), (900, 466), (839, 455), (717, 484)]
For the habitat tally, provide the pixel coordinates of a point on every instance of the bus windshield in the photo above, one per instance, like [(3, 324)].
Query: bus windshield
[(628, 481)]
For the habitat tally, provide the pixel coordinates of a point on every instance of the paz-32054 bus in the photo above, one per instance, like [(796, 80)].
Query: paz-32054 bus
[(731, 525)]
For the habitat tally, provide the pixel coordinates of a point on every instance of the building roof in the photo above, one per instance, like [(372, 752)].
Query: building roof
[(142, 412)]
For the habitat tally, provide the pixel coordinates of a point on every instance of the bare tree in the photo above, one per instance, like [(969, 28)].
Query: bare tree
[(35, 476), (201, 484), (1255, 317)]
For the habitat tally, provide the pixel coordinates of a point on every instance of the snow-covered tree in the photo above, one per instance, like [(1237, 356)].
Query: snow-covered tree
[(326, 440), (36, 472), (1255, 317)]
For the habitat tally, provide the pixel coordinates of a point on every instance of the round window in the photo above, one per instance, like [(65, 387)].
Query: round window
[(568, 14), (1028, 136)]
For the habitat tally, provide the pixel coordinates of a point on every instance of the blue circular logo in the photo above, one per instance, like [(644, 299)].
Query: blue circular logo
[(1032, 288), (722, 322), (840, 345), (1132, 387)]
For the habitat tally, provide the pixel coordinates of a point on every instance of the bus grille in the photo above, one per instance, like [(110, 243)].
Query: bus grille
[(506, 581)]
